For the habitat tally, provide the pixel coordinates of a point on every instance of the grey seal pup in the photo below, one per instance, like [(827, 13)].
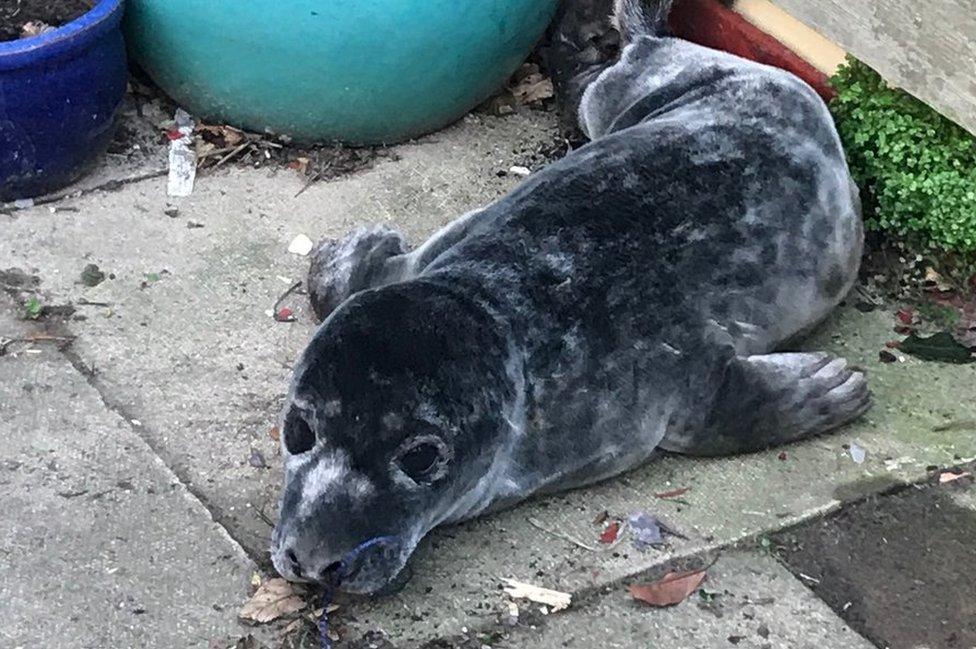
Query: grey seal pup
[(632, 296)]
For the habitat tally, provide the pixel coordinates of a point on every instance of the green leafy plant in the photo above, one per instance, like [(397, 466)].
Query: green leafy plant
[(33, 309), (916, 168)]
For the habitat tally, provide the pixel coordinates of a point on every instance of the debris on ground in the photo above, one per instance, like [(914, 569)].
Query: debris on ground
[(511, 615), (33, 308), (674, 493), (948, 476), (610, 533), (274, 599), (528, 86), (671, 589), (257, 459), (560, 535), (301, 245), (182, 156), (554, 599), (857, 452), (649, 531), (520, 171), (283, 313), (886, 356), (92, 276), (941, 346)]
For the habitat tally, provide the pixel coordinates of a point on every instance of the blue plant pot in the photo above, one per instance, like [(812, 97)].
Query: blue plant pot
[(59, 94)]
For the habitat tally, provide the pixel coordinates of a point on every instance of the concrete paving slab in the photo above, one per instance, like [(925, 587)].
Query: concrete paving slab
[(100, 545), (897, 568), (753, 602), (187, 349), (186, 346)]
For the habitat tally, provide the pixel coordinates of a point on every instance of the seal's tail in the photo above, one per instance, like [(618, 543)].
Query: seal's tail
[(635, 18)]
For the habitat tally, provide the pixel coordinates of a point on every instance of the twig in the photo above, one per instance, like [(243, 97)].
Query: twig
[(560, 535), (232, 154), (962, 424), (88, 303), (264, 517), (39, 338), (311, 181)]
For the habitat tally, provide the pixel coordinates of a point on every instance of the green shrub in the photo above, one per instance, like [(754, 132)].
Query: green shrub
[(916, 169)]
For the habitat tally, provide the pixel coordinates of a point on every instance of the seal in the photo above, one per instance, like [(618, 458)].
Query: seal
[(639, 293)]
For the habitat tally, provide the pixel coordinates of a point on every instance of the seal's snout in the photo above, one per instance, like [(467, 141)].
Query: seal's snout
[(365, 568)]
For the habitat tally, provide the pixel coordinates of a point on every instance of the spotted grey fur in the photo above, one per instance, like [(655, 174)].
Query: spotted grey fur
[(634, 295)]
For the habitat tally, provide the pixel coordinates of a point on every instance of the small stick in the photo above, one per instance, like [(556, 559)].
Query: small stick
[(230, 155), (560, 535)]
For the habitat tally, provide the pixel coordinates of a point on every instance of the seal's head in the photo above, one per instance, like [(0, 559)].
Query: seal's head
[(396, 422)]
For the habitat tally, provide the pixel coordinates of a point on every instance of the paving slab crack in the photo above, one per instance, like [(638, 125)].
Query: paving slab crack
[(112, 185), (90, 373)]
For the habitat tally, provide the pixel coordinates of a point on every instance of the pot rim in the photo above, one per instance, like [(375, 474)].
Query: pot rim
[(104, 16)]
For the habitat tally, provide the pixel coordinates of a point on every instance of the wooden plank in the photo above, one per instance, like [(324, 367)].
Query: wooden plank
[(820, 51), (927, 47)]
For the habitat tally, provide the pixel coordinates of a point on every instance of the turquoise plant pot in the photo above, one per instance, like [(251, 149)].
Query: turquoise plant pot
[(356, 71)]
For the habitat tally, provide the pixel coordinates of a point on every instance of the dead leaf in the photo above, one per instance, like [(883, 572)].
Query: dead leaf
[(949, 476), (906, 316), (275, 599), (292, 626), (941, 347), (887, 357), (674, 493), (35, 28), (275, 433), (934, 281), (554, 599), (231, 135), (610, 534), (534, 88), (300, 165), (672, 589)]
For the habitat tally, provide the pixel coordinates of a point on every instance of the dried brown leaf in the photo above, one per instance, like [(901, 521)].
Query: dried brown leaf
[(674, 493), (533, 88), (672, 589), (275, 599), (949, 476)]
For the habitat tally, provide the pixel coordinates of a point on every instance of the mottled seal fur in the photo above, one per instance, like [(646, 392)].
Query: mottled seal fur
[(631, 296)]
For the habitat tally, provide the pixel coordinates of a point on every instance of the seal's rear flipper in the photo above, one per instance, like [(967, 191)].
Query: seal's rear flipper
[(358, 261), (773, 399), (581, 44), (636, 18)]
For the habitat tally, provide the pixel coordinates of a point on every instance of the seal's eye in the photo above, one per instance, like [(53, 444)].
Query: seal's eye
[(299, 437), (420, 462)]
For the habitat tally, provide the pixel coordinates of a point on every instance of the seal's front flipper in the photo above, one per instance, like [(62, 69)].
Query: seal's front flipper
[(772, 399), (361, 260)]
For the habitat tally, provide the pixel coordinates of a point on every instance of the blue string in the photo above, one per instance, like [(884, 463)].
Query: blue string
[(330, 589)]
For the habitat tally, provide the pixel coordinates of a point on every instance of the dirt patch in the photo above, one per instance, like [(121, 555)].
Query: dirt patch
[(22, 18), (898, 569)]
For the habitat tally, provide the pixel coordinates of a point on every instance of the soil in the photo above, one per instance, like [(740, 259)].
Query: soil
[(899, 569), (14, 14)]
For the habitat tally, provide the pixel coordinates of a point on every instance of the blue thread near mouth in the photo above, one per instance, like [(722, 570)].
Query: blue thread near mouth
[(344, 566)]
